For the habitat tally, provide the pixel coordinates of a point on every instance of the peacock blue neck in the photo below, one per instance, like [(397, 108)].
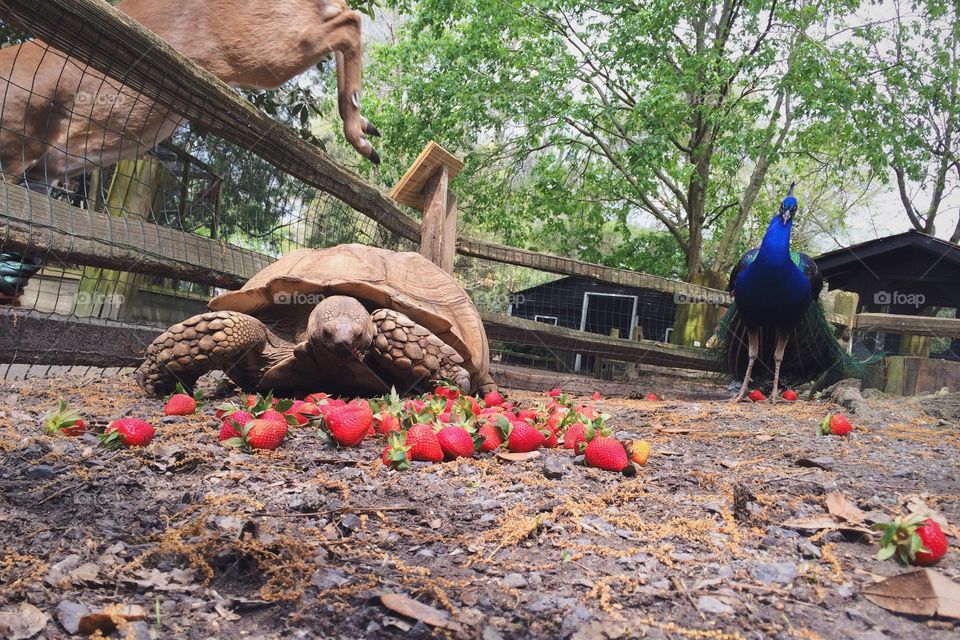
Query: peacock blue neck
[(775, 248)]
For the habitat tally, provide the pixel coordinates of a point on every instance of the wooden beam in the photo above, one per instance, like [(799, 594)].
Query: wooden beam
[(58, 232), (434, 209), (410, 189), (522, 331), (448, 242), (914, 325), (31, 337)]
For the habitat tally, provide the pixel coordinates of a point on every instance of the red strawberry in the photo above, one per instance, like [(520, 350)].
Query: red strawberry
[(455, 442), (652, 396), (596, 396), (414, 405), (396, 455), (492, 437), (756, 396), (445, 417), (228, 427), (524, 437), (551, 440), (350, 423), (127, 432), (424, 445), (528, 414), (605, 452), (790, 395), (916, 540), (493, 399), (385, 422), (554, 393), (275, 416), (265, 434), (835, 424), (294, 412), (63, 422), (181, 403), (317, 398), (574, 436)]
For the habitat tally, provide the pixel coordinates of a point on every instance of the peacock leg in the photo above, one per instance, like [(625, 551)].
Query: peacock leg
[(753, 346), (777, 359)]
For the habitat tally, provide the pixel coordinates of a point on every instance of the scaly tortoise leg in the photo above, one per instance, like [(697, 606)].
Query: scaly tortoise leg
[(226, 340), (412, 353)]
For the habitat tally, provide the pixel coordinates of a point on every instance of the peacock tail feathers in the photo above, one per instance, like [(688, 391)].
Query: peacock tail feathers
[(813, 352)]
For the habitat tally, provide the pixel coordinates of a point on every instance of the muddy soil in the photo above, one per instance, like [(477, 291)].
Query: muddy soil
[(303, 542)]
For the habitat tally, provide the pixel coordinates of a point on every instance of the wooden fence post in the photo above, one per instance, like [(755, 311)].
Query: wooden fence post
[(426, 186)]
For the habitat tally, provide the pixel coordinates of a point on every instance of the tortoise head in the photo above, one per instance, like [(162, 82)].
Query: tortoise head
[(341, 325)]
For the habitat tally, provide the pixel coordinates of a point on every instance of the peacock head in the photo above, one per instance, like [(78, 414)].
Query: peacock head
[(788, 208)]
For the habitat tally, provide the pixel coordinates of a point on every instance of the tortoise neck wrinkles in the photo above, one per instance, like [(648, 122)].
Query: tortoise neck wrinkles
[(340, 324)]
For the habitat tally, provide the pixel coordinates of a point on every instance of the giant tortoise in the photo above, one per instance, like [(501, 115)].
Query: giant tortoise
[(350, 319)]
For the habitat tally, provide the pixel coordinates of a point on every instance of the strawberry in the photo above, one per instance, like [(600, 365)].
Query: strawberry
[(835, 424), (396, 455), (265, 434), (493, 399), (554, 393), (916, 540), (256, 434), (181, 403), (317, 398), (574, 436), (296, 412), (63, 422), (447, 390), (652, 396), (350, 423), (455, 442), (603, 451), (639, 451), (385, 422), (596, 396), (231, 422), (127, 432), (424, 445), (551, 440), (492, 437), (756, 396), (790, 395), (524, 437)]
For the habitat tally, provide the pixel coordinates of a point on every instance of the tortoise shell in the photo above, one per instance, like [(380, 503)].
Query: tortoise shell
[(379, 278)]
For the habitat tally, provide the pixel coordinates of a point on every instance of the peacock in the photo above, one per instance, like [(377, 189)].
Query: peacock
[(776, 326), (15, 270)]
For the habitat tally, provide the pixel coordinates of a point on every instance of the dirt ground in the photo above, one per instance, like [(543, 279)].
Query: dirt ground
[(303, 542)]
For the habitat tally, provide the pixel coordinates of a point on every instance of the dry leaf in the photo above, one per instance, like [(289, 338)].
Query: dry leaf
[(917, 506), (839, 506), (918, 593), (518, 457), (418, 611), (24, 622), (730, 464), (816, 523)]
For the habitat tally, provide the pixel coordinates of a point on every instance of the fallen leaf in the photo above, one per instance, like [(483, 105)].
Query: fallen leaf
[(917, 506), (518, 457), (824, 462), (730, 464), (225, 612), (23, 622), (917, 593), (825, 521), (839, 506), (418, 611)]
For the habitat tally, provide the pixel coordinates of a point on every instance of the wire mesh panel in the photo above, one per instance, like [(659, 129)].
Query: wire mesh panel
[(89, 160)]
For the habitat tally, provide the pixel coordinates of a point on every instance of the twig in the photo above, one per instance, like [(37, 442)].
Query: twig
[(679, 586)]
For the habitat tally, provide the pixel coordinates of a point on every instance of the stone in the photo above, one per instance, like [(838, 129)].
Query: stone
[(514, 581), (40, 472), (554, 468), (808, 550), (69, 614), (709, 604), (777, 572)]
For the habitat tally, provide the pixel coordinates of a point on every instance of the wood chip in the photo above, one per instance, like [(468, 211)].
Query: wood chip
[(917, 593), (418, 611), (518, 457)]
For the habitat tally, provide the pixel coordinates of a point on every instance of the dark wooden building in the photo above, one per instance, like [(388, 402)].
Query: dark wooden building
[(909, 273), (597, 307)]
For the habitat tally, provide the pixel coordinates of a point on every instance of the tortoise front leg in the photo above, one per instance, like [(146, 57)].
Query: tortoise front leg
[(226, 340), (412, 354)]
